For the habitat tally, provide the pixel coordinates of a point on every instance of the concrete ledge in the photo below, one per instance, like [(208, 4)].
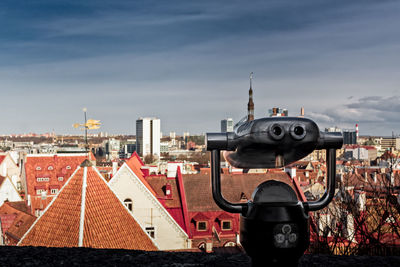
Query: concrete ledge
[(40, 256)]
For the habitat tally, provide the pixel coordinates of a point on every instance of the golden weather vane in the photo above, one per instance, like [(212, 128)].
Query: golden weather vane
[(89, 124)]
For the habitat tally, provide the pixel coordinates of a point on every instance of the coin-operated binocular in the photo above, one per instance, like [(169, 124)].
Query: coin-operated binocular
[(274, 226)]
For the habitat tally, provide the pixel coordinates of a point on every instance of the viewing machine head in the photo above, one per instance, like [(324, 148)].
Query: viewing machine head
[(274, 227)]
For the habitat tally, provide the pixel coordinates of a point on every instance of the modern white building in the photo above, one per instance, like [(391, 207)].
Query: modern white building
[(227, 125), (148, 136)]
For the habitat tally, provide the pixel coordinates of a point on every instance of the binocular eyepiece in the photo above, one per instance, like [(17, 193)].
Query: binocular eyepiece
[(272, 142)]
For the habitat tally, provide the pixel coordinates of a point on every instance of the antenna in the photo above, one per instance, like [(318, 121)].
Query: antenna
[(251, 79)]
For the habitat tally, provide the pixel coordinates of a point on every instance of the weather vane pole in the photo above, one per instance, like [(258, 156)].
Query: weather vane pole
[(251, 79), (87, 125)]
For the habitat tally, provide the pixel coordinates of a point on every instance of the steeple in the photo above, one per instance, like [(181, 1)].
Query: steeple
[(250, 105)]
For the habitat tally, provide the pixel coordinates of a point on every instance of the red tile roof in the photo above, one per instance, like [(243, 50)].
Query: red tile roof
[(106, 221), (2, 157), (15, 220), (52, 167), (198, 188), (135, 164)]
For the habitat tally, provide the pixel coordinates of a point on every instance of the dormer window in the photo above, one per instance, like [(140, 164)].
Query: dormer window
[(50, 168), (60, 178), (40, 191), (226, 225), (201, 226), (168, 191), (42, 179), (54, 191), (38, 168), (18, 224), (68, 167)]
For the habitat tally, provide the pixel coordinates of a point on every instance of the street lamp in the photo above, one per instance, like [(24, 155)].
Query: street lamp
[(274, 227)]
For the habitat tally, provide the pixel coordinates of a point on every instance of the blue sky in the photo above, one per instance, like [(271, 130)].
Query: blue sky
[(188, 63)]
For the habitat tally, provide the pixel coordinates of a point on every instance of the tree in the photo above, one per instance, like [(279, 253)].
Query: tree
[(149, 158), (364, 218)]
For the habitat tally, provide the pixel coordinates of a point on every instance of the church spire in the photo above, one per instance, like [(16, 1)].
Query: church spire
[(250, 105)]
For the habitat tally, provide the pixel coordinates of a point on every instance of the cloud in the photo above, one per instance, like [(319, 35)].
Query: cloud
[(378, 114), (189, 62)]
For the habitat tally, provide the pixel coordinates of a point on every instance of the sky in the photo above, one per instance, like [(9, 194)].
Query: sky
[(188, 63)]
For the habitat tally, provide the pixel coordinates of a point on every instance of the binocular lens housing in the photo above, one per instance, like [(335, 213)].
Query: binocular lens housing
[(272, 142)]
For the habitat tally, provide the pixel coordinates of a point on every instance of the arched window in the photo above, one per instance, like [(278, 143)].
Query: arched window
[(128, 203)]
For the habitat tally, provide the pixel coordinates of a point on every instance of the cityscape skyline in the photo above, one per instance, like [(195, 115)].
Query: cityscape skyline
[(189, 63)]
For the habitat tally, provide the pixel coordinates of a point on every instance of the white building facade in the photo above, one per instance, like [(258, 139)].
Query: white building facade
[(227, 125), (148, 136), (148, 210)]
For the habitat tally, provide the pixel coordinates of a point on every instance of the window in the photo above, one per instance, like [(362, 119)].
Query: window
[(38, 168), (61, 178), (226, 225), (128, 203), (42, 179), (68, 167), (53, 191), (40, 191), (50, 168), (151, 231), (201, 226)]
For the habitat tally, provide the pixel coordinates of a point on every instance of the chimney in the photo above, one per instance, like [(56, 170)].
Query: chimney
[(114, 167), (209, 246), (366, 175), (361, 199)]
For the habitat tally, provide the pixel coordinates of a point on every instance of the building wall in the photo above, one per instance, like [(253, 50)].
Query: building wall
[(148, 136), (10, 169), (148, 210), (388, 142), (8, 192), (227, 125)]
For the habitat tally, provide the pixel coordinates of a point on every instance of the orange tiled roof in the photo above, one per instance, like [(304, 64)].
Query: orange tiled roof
[(99, 216), (21, 219), (51, 166), (198, 188), (135, 163)]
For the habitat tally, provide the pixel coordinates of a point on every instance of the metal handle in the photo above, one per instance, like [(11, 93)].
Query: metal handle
[(216, 187), (242, 207), (330, 188)]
